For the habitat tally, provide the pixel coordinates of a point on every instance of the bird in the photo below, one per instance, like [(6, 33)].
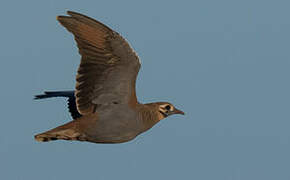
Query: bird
[(104, 105)]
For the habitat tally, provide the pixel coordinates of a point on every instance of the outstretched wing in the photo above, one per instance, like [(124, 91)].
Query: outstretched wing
[(71, 100), (108, 68)]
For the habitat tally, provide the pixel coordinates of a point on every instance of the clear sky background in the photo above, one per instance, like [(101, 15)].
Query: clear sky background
[(225, 63)]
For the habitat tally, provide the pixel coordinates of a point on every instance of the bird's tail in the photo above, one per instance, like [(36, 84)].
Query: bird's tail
[(50, 94), (65, 132)]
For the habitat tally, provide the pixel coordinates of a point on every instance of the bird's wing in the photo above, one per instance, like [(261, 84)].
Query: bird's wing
[(108, 68), (73, 107), (71, 100)]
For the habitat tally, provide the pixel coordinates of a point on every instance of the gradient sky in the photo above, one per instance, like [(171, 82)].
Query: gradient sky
[(225, 63)]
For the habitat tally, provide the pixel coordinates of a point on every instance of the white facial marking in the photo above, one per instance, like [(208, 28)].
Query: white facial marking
[(163, 107)]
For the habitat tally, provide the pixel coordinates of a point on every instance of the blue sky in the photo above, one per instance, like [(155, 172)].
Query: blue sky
[(225, 63)]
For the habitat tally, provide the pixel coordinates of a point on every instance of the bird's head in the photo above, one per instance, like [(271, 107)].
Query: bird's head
[(166, 109)]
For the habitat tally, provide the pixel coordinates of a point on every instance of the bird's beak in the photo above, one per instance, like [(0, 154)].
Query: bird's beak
[(177, 111)]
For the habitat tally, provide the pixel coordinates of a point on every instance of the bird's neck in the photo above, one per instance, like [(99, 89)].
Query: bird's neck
[(149, 115)]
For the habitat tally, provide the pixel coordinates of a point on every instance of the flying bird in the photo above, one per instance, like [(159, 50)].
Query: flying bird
[(104, 106)]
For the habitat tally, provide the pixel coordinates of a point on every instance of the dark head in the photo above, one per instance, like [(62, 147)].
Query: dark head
[(166, 109)]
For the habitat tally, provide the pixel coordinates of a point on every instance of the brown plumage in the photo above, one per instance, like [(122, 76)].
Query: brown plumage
[(104, 105)]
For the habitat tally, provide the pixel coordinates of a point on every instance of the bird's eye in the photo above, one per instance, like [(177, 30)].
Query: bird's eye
[(167, 107)]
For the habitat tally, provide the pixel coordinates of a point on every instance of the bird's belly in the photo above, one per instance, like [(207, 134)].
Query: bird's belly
[(112, 135), (112, 132), (113, 138), (112, 126)]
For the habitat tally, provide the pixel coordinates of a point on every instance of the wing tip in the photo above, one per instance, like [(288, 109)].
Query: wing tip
[(81, 18), (58, 17), (71, 13), (62, 18)]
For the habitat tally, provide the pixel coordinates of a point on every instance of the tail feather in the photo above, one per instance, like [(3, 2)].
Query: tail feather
[(50, 94), (65, 132)]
